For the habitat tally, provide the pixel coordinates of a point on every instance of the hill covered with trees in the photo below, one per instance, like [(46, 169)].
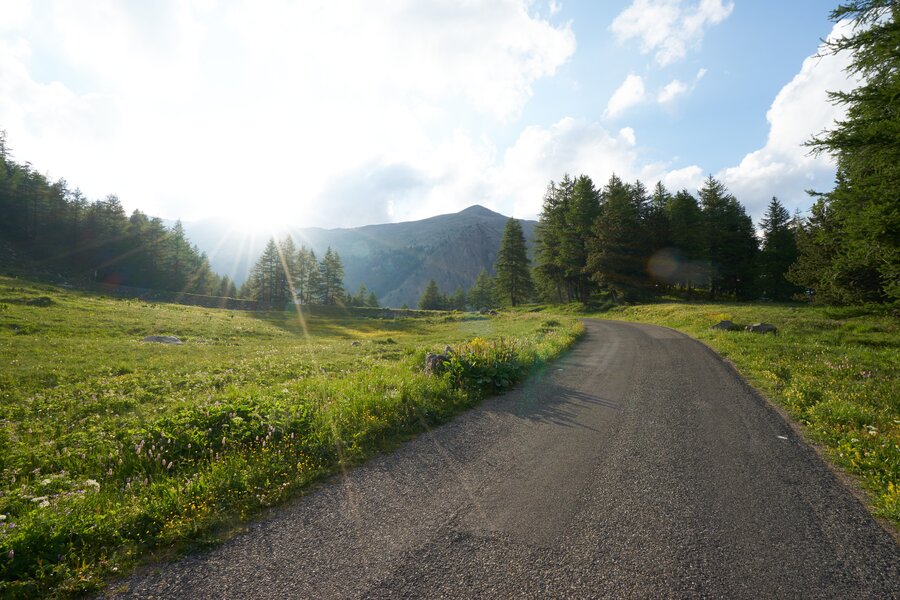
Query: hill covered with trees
[(49, 228)]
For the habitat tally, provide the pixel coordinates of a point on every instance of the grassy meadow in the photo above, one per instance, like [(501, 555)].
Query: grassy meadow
[(113, 449), (834, 370)]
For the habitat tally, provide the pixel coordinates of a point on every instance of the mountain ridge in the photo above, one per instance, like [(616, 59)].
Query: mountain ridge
[(395, 260)]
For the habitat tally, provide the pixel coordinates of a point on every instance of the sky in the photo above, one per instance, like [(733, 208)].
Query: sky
[(340, 113)]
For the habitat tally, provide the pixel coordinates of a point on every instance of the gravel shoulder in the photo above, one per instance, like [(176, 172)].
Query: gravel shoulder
[(639, 465)]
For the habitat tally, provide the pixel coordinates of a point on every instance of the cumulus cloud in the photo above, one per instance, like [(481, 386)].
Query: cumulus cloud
[(630, 93), (668, 28), (677, 88), (783, 167), (255, 108)]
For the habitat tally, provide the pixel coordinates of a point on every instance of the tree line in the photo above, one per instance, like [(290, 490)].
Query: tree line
[(286, 274), (55, 229), (632, 243)]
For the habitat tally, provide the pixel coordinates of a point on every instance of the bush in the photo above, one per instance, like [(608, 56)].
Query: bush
[(485, 367)]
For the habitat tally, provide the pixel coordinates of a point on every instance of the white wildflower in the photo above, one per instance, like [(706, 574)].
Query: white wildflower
[(93, 483)]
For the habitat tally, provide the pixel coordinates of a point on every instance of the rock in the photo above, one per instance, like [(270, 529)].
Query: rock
[(356, 343), (762, 328), (725, 326), (493, 313), (42, 301), (435, 362), (162, 339)]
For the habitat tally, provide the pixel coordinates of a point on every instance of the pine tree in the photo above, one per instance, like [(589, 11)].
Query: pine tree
[(432, 298), (512, 267), (616, 258), (730, 240), (779, 252), (331, 271), (481, 294), (685, 231), (581, 212), (863, 208), (261, 282), (550, 234), (458, 300), (285, 277)]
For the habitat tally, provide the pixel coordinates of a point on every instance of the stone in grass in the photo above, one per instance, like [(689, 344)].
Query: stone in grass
[(762, 328), (725, 326), (434, 362), (42, 301), (162, 339)]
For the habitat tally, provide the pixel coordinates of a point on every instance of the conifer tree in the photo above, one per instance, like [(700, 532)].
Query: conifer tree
[(481, 294), (730, 242), (779, 252), (616, 257), (863, 265), (512, 267), (432, 298), (685, 231), (331, 272)]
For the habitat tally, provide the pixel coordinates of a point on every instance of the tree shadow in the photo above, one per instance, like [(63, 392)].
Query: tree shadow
[(545, 401)]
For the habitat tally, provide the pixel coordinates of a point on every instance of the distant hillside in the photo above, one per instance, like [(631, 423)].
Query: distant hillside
[(395, 260)]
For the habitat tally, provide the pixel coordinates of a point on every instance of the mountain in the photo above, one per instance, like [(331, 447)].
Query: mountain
[(395, 260)]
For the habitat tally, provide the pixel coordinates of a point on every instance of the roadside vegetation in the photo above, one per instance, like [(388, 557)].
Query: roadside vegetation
[(835, 370), (112, 448)]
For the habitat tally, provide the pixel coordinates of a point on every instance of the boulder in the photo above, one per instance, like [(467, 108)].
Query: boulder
[(435, 362), (725, 326), (162, 339), (762, 328), (356, 343), (42, 301)]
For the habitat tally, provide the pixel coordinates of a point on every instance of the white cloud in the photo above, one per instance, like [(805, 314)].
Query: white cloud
[(255, 108), (668, 28), (671, 91), (675, 88), (630, 93), (784, 167)]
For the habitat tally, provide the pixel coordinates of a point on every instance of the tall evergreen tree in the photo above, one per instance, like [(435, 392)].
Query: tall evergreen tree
[(617, 257), (550, 234), (685, 229), (863, 208), (331, 272), (581, 212), (512, 267), (730, 240), (481, 294), (432, 298), (779, 252)]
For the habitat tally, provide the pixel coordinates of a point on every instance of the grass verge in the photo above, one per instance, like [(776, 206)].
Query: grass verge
[(113, 449), (834, 370)]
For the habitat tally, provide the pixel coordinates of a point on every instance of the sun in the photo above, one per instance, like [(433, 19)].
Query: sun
[(255, 221)]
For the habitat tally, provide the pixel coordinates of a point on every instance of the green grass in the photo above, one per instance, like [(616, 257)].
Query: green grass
[(835, 370), (113, 450)]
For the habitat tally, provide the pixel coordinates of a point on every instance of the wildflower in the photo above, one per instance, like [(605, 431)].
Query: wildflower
[(2, 518), (44, 504), (37, 499), (45, 482), (12, 554), (93, 483)]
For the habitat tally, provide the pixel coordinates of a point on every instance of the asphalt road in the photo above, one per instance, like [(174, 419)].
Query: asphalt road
[(638, 466)]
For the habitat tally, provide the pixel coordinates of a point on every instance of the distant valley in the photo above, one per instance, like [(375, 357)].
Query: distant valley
[(395, 260)]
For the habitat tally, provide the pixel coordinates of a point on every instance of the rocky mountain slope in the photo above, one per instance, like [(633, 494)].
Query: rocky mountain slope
[(395, 260)]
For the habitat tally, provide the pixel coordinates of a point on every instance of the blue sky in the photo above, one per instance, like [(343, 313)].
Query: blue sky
[(347, 112)]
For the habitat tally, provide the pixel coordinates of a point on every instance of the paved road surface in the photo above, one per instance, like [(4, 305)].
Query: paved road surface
[(638, 466)]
